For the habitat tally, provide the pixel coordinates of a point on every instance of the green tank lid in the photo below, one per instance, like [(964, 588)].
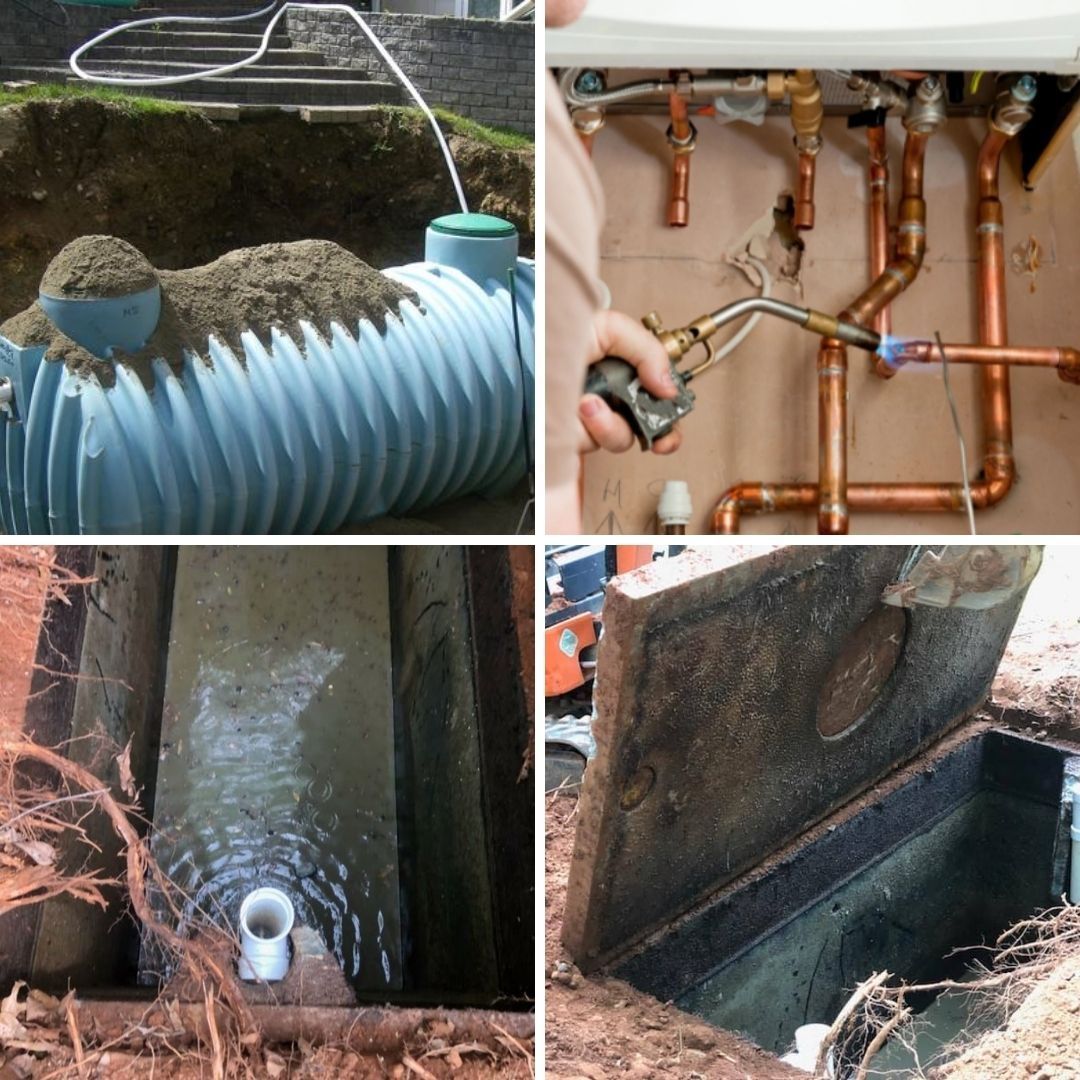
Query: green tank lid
[(483, 226)]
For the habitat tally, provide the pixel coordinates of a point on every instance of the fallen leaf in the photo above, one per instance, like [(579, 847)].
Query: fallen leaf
[(40, 1006), (30, 1047), (10, 1005), (440, 1029), (10, 1028), (275, 1065), (459, 1049), (173, 1014), (416, 1067), (38, 851), (22, 1065), (127, 780)]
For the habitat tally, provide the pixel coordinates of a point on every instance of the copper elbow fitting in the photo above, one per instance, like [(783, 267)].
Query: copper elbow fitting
[(1069, 366), (727, 514)]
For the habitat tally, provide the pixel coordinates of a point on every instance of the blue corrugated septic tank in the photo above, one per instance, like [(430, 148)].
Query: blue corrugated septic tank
[(303, 435)]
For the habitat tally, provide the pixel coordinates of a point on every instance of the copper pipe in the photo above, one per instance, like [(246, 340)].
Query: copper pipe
[(832, 437), (775, 498), (681, 137), (807, 117), (998, 465), (902, 270), (883, 498), (1065, 359), (804, 198), (999, 468), (878, 178)]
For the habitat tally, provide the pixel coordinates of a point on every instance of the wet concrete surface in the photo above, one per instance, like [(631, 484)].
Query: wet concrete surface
[(277, 747)]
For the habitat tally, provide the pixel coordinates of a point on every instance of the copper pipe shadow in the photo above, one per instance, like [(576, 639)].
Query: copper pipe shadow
[(681, 135)]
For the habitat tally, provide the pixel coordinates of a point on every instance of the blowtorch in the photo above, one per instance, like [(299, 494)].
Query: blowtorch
[(650, 418)]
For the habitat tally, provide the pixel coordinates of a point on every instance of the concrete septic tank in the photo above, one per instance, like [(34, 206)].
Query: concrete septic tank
[(793, 790), (316, 720)]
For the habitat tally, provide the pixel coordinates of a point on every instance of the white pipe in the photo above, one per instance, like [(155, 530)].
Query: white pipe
[(1074, 854), (226, 69), (266, 919), (808, 1040)]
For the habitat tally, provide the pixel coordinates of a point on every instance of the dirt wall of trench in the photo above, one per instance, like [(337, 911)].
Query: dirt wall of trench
[(184, 189)]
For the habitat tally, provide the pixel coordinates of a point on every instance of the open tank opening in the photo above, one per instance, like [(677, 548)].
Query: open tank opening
[(918, 881)]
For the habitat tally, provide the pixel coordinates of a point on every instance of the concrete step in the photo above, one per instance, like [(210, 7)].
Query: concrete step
[(268, 91), (196, 39), (272, 71), (166, 54)]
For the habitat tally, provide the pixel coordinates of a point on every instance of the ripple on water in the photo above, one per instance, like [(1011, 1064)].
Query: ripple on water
[(266, 768)]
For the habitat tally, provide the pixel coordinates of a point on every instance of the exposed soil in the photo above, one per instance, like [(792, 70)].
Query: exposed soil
[(274, 285), (24, 581), (97, 266), (1041, 1040), (1038, 682), (600, 1027), (185, 190)]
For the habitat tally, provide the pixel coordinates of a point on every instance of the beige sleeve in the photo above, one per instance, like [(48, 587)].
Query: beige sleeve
[(573, 295)]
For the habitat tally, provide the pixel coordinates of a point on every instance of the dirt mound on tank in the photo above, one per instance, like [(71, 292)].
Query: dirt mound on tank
[(275, 285), (97, 266)]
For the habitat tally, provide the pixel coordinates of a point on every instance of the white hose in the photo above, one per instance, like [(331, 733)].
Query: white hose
[(738, 338), (174, 80)]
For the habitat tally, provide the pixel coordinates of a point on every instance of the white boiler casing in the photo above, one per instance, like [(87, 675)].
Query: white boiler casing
[(993, 35)]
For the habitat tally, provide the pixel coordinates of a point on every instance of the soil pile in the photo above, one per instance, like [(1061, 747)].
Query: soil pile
[(275, 285), (97, 266)]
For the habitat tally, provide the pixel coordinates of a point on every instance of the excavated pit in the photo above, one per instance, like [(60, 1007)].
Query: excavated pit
[(917, 878), (311, 719), (185, 190), (795, 785)]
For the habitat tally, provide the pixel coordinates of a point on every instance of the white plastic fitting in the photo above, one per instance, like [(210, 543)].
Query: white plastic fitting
[(266, 919), (808, 1040), (674, 507)]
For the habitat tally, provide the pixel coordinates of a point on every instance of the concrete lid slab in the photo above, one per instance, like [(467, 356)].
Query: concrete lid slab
[(737, 705)]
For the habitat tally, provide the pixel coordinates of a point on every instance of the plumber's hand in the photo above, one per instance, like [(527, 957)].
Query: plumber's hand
[(616, 334)]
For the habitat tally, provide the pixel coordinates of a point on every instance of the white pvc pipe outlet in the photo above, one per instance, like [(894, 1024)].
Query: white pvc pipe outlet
[(266, 919), (808, 1040)]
